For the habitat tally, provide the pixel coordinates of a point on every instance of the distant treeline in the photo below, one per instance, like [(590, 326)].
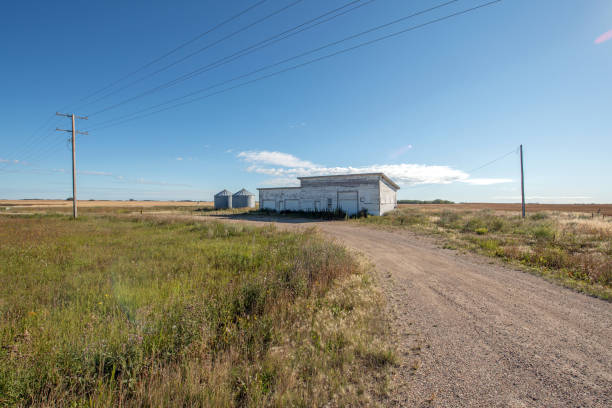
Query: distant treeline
[(436, 201)]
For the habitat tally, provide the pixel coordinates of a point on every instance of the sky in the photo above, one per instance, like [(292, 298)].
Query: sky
[(187, 98)]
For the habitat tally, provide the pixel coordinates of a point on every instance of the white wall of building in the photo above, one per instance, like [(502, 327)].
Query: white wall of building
[(353, 193), (388, 197)]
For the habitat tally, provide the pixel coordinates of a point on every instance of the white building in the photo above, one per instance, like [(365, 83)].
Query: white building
[(373, 192)]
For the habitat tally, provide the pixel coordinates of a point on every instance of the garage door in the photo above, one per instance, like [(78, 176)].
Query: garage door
[(292, 205), (347, 201), (269, 205)]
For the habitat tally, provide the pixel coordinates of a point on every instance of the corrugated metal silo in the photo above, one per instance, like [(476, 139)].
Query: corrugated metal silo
[(243, 199), (223, 199)]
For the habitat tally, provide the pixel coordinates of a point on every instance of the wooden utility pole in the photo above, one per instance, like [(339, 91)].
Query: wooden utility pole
[(522, 183), (74, 132)]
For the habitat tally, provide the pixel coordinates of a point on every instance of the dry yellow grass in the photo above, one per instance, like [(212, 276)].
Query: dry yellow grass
[(601, 209), (100, 203)]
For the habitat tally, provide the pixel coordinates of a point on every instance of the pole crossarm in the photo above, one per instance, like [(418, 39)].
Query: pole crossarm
[(69, 115)]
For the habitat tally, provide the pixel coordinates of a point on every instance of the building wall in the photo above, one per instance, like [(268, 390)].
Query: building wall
[(325, 189), (278, 195), (373, 195), (388, 197)]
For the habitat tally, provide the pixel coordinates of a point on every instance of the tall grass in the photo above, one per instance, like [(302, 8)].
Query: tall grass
[(134, 312), (567, 247)]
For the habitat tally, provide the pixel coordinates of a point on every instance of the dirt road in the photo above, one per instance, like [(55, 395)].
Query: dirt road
[(479, 334)]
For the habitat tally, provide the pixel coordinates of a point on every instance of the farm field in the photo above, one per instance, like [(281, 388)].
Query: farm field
[(99, 203), (133, 311), (328, 342), (598, 209)]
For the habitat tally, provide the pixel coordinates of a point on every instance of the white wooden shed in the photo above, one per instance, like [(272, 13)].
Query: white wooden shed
[(374, 192)]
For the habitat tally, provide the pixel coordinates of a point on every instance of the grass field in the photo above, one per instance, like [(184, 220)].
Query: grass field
[(109, 311), (570, 247), (595, 209)]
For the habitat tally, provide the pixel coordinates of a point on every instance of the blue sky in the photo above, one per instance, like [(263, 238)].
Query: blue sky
[(427, 107)]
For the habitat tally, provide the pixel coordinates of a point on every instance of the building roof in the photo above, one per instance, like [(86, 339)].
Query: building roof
[(243, 192), (382, 175), (223, 193)]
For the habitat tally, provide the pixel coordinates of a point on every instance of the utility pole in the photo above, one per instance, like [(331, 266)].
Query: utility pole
[(522, 182), (74, 132)]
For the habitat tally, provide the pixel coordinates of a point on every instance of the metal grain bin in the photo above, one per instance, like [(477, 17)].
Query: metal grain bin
[(243, 199), (223, 199)]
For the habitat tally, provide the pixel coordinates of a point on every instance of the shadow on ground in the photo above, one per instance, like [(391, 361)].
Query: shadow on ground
[(284, 219)]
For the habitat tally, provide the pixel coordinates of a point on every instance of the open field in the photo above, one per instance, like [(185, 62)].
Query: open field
[(467, 329), (597, 209), (473, 331), (125, 311), (100, 203)]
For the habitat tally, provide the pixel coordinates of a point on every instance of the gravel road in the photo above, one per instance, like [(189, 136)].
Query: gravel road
[(479, 334), (472, 332)]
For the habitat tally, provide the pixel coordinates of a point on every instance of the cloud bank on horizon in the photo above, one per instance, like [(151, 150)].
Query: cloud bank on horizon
[(284, 168)]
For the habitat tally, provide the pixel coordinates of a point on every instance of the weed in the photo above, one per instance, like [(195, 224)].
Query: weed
[(113, 311), (481, 231)]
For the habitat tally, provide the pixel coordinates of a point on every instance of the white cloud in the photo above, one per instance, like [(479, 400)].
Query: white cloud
[(282, 181), (10, 161), (179, 158), (291, 167), (274, 158)]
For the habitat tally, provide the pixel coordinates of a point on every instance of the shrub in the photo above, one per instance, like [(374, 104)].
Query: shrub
[(473, 224), (409, 218), (543, 232), (491, 246), (449, 219)]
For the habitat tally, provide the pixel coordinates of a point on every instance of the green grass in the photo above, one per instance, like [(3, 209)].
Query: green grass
[(106, 311), (566, 248)]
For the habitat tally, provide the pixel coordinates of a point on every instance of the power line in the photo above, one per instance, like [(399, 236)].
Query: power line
[(420, 185), (230, 58), (33, 138), (177, 48), (327, 56), (351, 37), (36, 139), (266, 67), (32, 151), (515, 150)]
